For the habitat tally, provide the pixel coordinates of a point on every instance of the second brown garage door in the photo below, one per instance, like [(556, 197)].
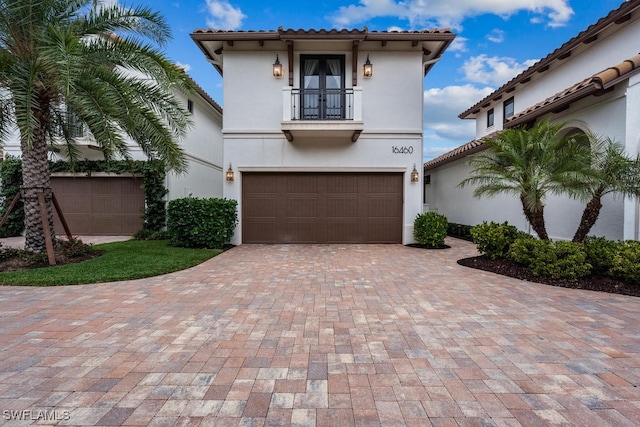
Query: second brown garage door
[(100, 205), (322, 207)]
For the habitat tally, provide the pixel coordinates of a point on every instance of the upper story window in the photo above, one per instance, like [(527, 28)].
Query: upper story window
[(490, 118), (68, 123), (322, 95), (508, 108), (190, 106)]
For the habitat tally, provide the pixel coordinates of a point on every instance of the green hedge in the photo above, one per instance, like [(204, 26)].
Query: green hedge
[(558, 260), (201, 223), (600, 253), (625, 264), (461, 231), (494, 240), (430, 229), (11, 181)]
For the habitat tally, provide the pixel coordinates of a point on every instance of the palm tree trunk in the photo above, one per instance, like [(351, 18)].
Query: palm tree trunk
[(35, 180), (536, 219), (589, 218)]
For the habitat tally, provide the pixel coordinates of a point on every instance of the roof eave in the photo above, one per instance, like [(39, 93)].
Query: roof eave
[(614, 17)]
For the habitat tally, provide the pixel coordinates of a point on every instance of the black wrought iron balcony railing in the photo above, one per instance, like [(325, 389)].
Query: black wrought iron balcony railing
[(322, 104)]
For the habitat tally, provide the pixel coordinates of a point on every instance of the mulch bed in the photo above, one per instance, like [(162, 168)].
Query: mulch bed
[(416, 245), (511, 269), (17, 263)]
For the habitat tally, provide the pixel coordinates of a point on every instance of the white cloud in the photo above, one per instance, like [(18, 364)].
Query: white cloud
[(459, 44), (431, 152), (493, 70), (185, 67), (447, 13), (495, 36), (443, 129), (223, 16)]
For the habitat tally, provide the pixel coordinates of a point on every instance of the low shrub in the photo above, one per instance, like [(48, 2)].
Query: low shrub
[(11, 183), (626, 262), (600, 253), (201, 223), (146, 234), (74, 248), (494, 240), (430, 229), (558, 260), (461, 231), (7, 253)]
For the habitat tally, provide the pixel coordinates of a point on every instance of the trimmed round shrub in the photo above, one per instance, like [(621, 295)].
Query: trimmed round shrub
[(494, 240), (201, 223), (626, 262), (430, 229), (558, 260), (600, 253)]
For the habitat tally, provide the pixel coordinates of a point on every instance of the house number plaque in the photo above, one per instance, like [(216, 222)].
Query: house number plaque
[(402, 150)]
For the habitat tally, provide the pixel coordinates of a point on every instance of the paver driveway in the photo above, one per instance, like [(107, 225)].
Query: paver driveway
[(332, 335)]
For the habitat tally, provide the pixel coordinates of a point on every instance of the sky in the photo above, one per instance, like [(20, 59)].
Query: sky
[(496, 40)]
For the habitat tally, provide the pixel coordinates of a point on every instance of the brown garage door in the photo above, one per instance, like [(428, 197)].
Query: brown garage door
[(322, 207), (99, 205)]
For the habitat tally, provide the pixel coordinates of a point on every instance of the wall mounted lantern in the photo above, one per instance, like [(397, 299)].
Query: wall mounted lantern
[(277, 68), (415, 176), (230, 175), (367, 68)]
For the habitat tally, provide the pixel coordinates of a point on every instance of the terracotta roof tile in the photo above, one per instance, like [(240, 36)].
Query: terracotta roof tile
[(282, 33), (613, 16), (599, 81), (464, 150), (592, 84)]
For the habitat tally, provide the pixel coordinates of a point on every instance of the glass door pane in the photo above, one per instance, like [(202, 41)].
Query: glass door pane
[(310, 92), (322, 92), (333, 84)]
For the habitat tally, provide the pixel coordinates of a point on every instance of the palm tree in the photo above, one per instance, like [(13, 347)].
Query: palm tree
[(614, 172), (61, 59), (531, 164)]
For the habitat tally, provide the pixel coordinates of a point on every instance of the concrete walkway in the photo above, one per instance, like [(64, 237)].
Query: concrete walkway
[(327, 335)]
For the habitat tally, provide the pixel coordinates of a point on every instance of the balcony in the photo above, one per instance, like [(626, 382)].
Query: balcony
[(322, 113)]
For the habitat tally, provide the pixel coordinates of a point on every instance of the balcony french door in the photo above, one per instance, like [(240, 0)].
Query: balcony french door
[(322, 95)]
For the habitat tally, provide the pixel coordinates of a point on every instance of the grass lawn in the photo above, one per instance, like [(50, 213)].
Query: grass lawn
[(133, 259)]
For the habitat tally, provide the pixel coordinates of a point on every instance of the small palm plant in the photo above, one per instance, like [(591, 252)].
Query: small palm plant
[(531, 164), (613, 172)]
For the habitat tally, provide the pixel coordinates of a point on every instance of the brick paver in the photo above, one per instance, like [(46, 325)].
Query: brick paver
[(332, 335)]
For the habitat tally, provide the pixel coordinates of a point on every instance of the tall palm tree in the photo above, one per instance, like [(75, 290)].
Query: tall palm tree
[(614, 172), (100, 65), (531, 164)]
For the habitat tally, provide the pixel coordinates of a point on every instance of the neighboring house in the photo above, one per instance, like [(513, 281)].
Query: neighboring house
[(111, 204), (323, 131), (591, 83)]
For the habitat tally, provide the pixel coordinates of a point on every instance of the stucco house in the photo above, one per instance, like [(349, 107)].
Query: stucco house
[(112, 204), (322, 131), (592, 84)]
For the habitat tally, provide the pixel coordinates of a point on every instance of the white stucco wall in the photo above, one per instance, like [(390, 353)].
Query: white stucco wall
[(613, 46), (607, 116), (202, 146), (203, 149), (391, 114), (614, 114), (562, 215)]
